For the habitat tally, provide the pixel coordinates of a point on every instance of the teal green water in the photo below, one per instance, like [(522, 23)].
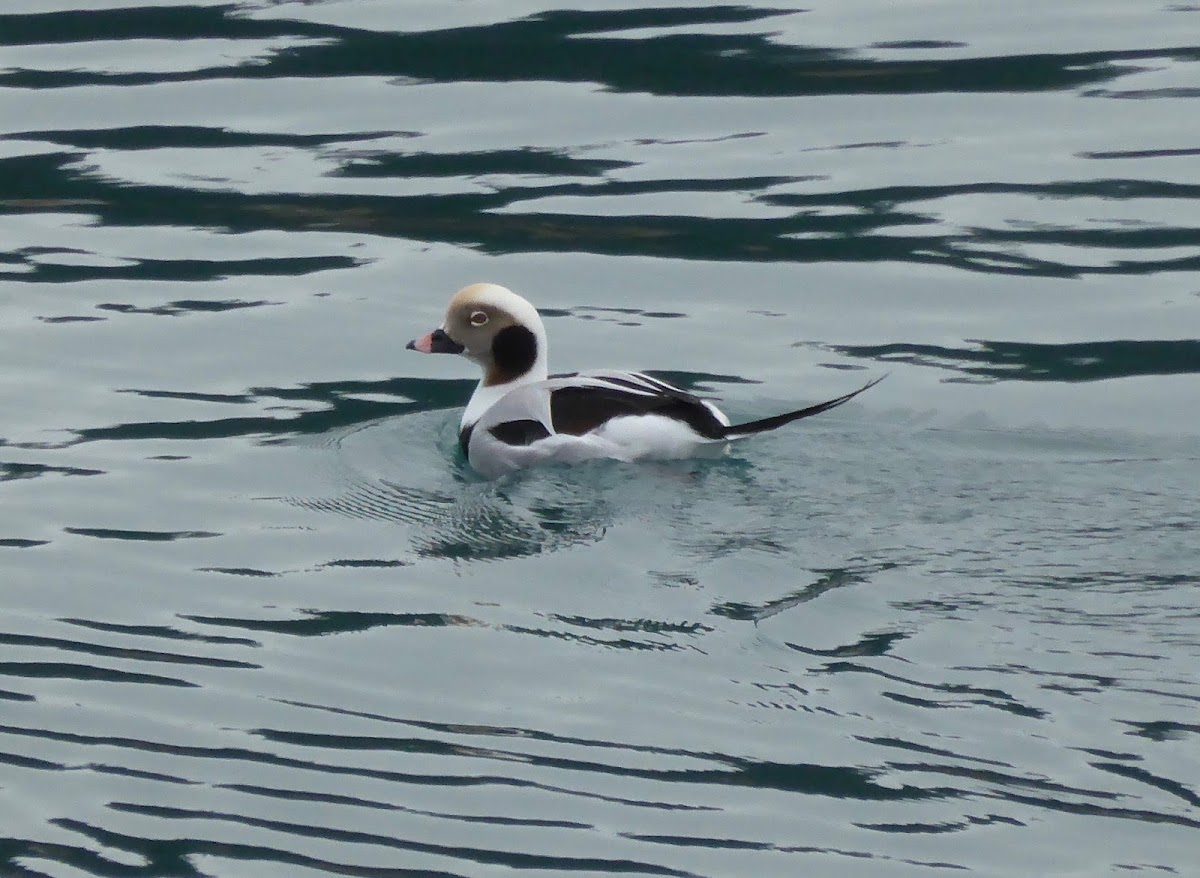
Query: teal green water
[(259, 618)]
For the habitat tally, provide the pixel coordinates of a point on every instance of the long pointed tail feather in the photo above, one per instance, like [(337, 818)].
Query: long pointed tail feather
[(740, 431)]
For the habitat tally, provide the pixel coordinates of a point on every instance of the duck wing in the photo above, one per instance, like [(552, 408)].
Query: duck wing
[(586, 401)]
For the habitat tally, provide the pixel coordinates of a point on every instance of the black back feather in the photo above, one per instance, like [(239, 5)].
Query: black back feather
[(578, 410)]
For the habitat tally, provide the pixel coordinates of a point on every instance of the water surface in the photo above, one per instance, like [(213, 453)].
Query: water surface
[(261, 619)]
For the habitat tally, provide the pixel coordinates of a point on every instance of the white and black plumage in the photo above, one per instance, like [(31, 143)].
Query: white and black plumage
[(519, 416)]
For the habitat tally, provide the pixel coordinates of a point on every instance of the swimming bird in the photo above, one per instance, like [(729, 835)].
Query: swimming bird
[(520, 416)]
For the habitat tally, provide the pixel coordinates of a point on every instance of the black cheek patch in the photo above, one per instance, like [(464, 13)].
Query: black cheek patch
[(514, 351), (524, 432)]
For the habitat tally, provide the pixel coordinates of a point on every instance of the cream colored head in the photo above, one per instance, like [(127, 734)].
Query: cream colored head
[(495, 328)]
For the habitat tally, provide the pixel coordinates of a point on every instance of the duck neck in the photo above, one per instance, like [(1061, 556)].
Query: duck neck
[(519, 357)]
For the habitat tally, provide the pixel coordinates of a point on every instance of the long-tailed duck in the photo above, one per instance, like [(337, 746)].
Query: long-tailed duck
[(519, 416)]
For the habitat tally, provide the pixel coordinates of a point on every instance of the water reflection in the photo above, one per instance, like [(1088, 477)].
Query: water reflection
[(566, 46), (259, 615), (1029, 361), (334, 404), (900, 224)]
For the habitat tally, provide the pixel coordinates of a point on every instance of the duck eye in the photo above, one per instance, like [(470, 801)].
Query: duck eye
[(478, 318)]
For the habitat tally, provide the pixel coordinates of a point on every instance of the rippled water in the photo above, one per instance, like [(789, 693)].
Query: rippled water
[(260, 619)]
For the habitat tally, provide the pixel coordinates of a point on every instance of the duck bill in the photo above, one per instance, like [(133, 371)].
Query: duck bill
[(436, 342)]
